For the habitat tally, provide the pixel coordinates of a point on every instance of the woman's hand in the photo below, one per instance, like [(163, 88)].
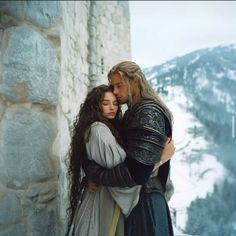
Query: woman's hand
[(92, 187), (167, 153)]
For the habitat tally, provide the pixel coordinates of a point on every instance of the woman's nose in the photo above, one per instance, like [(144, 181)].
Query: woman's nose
[(112, 107)]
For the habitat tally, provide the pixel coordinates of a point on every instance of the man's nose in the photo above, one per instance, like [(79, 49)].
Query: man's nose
[(115, 91)]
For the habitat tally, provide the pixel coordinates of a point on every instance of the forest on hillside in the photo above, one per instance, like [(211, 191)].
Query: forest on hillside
[(215, 215)]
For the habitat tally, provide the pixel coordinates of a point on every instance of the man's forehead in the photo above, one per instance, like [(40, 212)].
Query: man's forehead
[(116, 79), (117, 82)]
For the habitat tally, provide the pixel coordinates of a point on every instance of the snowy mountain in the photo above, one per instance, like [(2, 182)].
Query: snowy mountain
[(200, 90), (208, 77), (194, 168)]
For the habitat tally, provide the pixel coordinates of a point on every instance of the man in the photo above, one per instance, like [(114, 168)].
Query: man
[(147, 131)]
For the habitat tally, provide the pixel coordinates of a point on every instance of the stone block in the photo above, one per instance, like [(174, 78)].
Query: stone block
[(25, 141), (15, 8), (10, 206), (19, 229), (2, 108), (30, 68), (41, 13), (42, 221), (44, 192)]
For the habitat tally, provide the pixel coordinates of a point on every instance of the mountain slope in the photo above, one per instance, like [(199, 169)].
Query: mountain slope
[(208, 77), (200, 89)]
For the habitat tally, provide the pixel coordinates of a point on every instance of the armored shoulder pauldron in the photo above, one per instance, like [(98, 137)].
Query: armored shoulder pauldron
[(145, 132)]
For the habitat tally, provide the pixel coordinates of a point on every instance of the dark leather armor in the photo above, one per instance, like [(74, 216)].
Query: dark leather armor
[(144, 132)]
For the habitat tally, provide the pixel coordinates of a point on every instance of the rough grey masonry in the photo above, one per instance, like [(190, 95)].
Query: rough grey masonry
[(40, 13), (51, 54), (27, 75), (25, 139)]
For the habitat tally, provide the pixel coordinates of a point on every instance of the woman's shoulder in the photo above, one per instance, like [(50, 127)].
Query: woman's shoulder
[(100, 132), (99, 125), (99, 128)]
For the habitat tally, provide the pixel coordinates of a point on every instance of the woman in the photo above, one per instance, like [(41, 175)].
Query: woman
[(95, 138)]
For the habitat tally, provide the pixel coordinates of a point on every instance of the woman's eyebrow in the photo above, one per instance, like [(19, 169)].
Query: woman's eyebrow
[(108, 100)]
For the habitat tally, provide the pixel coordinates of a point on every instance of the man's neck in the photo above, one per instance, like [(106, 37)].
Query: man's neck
[(135, 99)]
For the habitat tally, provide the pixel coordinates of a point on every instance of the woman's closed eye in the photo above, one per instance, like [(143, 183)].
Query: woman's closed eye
[(115, 103)]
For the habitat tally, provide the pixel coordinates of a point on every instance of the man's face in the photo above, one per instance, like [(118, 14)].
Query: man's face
[(120, 88)]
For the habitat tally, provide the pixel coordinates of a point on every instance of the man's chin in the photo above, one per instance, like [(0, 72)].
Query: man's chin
[(121, 101)]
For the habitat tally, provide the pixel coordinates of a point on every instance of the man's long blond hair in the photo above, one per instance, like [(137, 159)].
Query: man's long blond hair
[(129, 70)]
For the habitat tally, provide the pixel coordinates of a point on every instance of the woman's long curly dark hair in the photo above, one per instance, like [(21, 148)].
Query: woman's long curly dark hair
[(88, 114)]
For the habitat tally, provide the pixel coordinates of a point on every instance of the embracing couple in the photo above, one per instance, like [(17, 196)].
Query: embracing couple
[(119, 166)]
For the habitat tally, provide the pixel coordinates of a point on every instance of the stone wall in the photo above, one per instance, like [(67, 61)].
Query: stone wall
[(51, 54)]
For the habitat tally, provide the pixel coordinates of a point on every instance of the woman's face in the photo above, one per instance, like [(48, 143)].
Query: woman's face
[(109, 105)]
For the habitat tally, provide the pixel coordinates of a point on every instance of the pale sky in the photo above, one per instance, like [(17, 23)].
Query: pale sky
[(162, 30)]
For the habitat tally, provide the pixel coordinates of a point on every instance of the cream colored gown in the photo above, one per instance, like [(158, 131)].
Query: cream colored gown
[(94, 217)]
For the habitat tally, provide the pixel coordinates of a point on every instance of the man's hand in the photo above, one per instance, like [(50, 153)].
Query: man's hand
[(167, 153)]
